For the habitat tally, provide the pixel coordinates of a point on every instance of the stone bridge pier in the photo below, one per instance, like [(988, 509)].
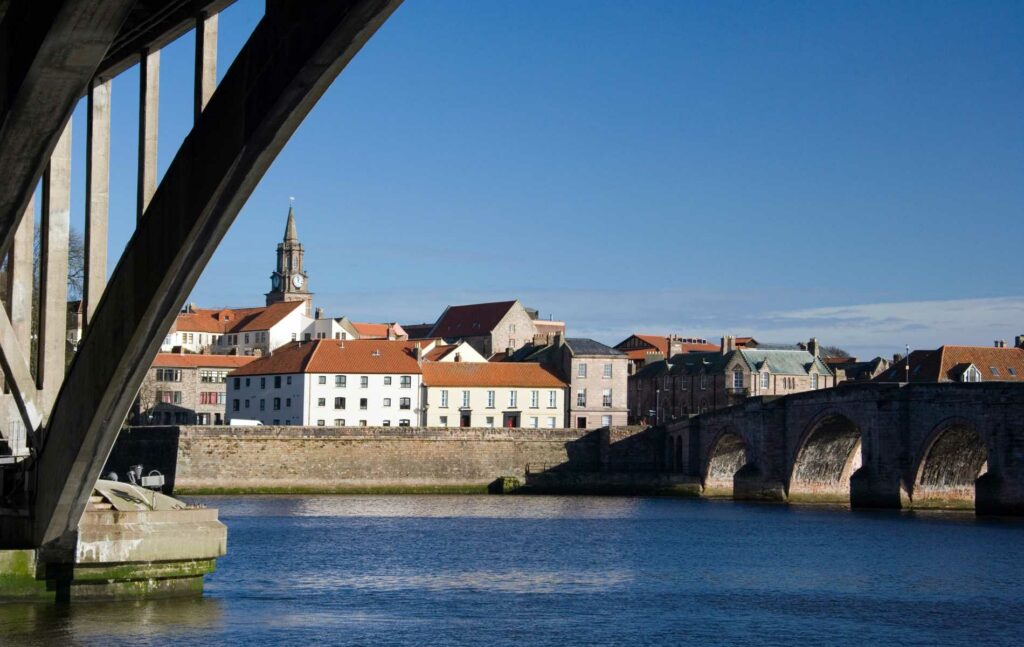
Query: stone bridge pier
[(871, 445)]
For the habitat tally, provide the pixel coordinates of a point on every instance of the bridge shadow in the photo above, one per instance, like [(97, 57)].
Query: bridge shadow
[(953, 468), (828, 455)]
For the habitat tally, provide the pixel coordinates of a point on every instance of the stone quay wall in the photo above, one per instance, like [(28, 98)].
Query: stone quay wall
[(367, 459)]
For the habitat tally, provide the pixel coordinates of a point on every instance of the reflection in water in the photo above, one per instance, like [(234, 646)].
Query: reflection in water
[(564, 571), (132, 622)]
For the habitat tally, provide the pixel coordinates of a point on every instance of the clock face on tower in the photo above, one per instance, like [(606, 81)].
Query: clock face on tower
[(297, 280), (275, 280)]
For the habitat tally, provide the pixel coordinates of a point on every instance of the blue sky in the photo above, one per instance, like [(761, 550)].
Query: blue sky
[(853, 171)]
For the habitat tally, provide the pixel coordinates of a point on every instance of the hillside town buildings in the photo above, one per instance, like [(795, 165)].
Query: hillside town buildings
[(186, 389), (997, 363), (643, 348), (499, 327)]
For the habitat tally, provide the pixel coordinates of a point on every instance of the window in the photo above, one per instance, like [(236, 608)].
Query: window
[(581, 398), (552, 399), (246, 405), (321, 379), (444, 398), (321, 402), (581, 369), (765, 380), (362, 403), (994, 370), (444, 421), (339, 422), (320, 423), (490, 399), (277, 381), (277, 404), (339, 403), (490, 422), (246, 382), (1012, 371), (277, 421), (406, 381), (465, 399), (213, 397), (238, 384), (234, 405), (387, 423), (606, 398), (288, 380), (511, 328), (972, 374), (246, 337), (533, 422), (404, 422), (606, 421), (513, 397), (263, 383), (607, 371), (169, 397), (534, 399), (362, 423), (288, 402), (339, 380), (814, 380), (387, 380), (703, 382), (404, 403), (364, 382), (168, 375), (737, 379), (263, 404), (387, 402), (211, 376), (306, 336), (551, 423)]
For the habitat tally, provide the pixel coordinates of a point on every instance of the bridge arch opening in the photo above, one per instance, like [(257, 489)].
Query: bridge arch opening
[(727, 456), (953, 461), (829, 454)]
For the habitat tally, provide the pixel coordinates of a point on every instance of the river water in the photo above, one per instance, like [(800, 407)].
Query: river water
[(572, 571)]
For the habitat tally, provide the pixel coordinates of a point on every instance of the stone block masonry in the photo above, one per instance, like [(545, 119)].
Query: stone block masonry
[(362, 459)]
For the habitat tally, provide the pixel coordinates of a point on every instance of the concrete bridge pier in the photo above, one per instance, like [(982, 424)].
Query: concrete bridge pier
[(870, 488)]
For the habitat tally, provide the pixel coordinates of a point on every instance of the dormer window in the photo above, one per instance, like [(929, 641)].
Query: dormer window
[(972, 374)]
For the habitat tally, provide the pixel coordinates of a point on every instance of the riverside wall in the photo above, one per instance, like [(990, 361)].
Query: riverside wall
[(368, 459)]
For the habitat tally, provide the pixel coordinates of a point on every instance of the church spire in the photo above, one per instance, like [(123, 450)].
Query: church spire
[(290, 234)]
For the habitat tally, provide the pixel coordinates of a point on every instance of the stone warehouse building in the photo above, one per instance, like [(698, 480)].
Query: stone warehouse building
[(691, 383), (492, 327), (186, 389)]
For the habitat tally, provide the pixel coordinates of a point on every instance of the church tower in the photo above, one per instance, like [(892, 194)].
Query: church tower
[(289, 282)]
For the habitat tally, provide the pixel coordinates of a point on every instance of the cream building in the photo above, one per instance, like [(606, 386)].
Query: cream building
[(502, 394)]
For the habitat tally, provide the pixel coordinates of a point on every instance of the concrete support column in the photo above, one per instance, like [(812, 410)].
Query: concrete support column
[(53, 274), (149, 110), (20, 276), (97, 196), (206, 60)]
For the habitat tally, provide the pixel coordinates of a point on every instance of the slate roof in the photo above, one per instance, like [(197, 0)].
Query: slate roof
[(484, 374), (418, 331), (364, 356), (471, 320), (783, 362), (585, 346)]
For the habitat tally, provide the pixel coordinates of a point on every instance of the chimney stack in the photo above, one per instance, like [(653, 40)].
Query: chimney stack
[(813, 347), (728, 344), (675, 345), (319, 313), (1018, 341)]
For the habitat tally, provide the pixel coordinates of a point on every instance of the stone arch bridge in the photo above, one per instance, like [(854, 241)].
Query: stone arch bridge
[(874, 445)]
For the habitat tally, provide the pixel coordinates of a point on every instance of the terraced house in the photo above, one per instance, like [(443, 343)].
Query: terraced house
[(691, 383)]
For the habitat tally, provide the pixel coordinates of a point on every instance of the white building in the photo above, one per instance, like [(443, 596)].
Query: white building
[(492, 394), (238, 331), (330, 382)]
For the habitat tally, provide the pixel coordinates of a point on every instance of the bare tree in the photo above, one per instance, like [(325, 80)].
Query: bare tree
[(834, 351)]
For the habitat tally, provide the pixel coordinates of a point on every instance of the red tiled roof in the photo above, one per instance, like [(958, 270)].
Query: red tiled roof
[(179, 360), (470, 374), (337, 356), (439, 352), (658, 343), (371, 330), (234, 320), (946, 363), (498, 357), (471, 320)]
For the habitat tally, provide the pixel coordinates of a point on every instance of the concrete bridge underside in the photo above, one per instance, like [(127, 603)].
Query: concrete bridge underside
[(57, 427), (872, 445)]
